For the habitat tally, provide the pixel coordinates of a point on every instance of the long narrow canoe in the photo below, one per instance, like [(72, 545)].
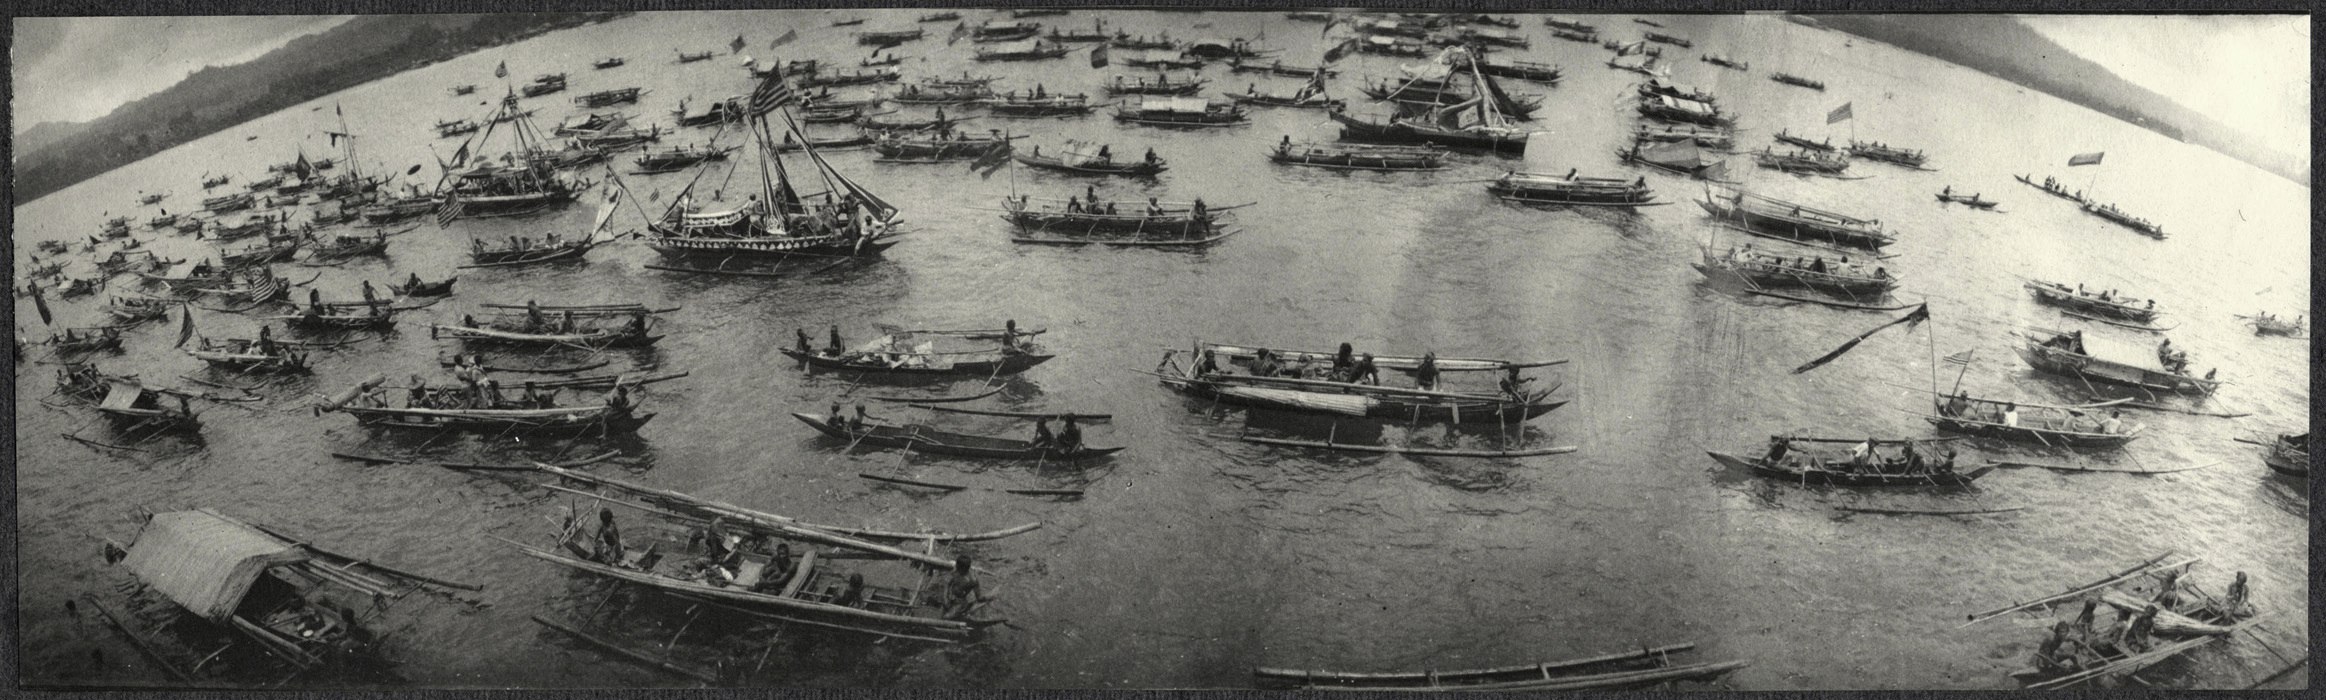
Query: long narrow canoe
[(1626, 669), (1001, 365), (924, 439), (1814, 475), (1244, 354), (1420, 451), (1020, 414), (700, 508), (604, 337)]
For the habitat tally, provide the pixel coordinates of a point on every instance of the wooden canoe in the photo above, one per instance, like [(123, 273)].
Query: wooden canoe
[(928, 440), (1645, 666), (1813, 475), (1243, 354), (1002, 365)]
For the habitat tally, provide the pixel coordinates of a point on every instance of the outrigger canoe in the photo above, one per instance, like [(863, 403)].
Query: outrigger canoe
[(921, 438)]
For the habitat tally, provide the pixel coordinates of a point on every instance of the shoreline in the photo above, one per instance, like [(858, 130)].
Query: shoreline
[(127, 135)]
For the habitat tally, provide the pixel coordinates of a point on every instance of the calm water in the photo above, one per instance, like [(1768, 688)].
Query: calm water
[(1195, 556)]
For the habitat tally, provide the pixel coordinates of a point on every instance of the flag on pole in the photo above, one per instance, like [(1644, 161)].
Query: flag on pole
[(737, 45), (1335, 53), (1961, 358), (1098, 56), (1918, 315), (1316, 85), (40, 304), (773, 91), (993, 159), (2086, 158), (1839, 114), (501, 71), (185, 326), (787, 38), (448, 211)]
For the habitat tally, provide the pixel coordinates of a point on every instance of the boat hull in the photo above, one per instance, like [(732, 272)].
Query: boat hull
[(1834, 478)]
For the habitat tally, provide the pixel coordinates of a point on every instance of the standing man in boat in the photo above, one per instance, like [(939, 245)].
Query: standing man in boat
[(1425, 377), (609, 539), (836, 348)]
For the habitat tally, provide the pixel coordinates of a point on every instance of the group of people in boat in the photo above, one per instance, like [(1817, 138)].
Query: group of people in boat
[(514, 244), (1347, 367), (479, 392), (538, 322), (1864, 458), (893, 354), (722, 563), (2006, 413), (1814, 264), (1068, 439), (2086, 644)]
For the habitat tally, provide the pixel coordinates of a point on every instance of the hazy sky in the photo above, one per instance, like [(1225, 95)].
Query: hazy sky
[(79, 68), (2252, 72)]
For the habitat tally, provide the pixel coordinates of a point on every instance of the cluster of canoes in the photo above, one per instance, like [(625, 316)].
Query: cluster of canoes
[(896, 585)]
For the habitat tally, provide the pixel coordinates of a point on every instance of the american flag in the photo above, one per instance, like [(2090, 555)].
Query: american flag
[(773, 93), (448, 211)]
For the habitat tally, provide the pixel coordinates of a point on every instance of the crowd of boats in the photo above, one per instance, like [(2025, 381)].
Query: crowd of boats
[(272, 587)]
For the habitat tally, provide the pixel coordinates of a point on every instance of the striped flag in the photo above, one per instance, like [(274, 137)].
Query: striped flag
[(1335, 53), (1838, 114), (1961, 358), (773, 92), (449, 210), (40, 304), (1918, 315), (185, 327), (2086, 158), (993, 159)]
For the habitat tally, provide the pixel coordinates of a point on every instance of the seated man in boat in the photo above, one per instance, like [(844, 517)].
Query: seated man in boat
[(1513, 385), (1862, 456), (1956, 405), (266, 340), (1042, 436), (1069, 437), (1779, 446), (853, 596), (959, 592), (534, 321), (565, 322), (637, 325), (2136, 636), (835, 349), (608, 548), (1264, 363), (777, 573), (1151, 156), (1364, 371), (2232, 603), (2114, 425), (1073, 204), (1153, 208), (2056, 655), (1425, 377), (1343, 361)]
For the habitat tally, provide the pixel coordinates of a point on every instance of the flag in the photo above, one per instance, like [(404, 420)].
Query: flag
[(185, 326), (1918, 315), (501, 71), (773, 92), (959, 30), (736, 46), (449, 210), (1335, 53), (993, 159), (303, 166), (1632, 48), (335, 109), (2086, 159), (1098, 56), (787, 38), (1961, 358), (1316, 85), (1838, 114), (40, 304)]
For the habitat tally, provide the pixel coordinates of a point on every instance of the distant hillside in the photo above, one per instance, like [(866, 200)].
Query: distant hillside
[(2004, 47), (51, 157)]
